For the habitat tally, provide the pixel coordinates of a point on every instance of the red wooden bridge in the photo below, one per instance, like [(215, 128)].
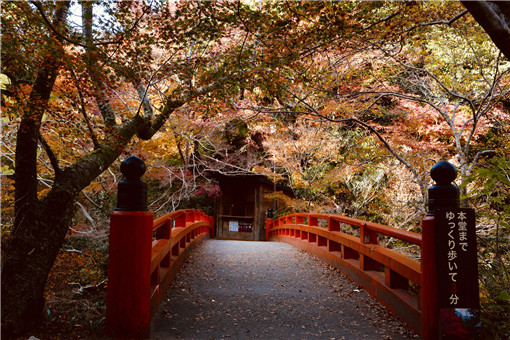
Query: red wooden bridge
[(146, 253), (139, 278)]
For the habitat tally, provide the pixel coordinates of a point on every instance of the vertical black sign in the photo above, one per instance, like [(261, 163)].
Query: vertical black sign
[(457, 272)]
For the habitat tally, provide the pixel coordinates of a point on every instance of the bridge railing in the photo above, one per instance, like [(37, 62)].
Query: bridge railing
[(144, 254), (353, 246), (144, 258), (174, 236)]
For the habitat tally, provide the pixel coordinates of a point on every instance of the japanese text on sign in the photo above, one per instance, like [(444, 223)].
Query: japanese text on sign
[(456, 233), (456, 258)]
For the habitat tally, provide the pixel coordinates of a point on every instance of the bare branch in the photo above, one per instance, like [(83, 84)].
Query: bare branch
[(145, 102), (387, 146), (91, 201), (37, 4), (401, 159), (439, 22), (87, 216), (475, 159)]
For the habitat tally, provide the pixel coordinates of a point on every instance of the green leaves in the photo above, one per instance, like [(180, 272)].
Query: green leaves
[(489, 192), (7, 170)]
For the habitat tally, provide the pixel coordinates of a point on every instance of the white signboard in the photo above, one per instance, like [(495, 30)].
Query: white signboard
[(233, 226)]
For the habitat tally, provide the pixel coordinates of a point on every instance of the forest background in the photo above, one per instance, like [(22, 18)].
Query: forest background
[(348, 103)]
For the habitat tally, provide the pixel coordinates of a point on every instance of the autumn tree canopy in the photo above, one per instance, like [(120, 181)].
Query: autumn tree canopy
[(350, 103)]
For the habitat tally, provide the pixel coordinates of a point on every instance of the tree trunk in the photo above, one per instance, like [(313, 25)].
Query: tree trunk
[(28, 259), (37, 238), (37, 233), (40, 230), (40, 225), (494, 17)]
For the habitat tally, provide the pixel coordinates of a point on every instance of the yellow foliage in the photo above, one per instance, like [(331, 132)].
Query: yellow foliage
[(4, 81)]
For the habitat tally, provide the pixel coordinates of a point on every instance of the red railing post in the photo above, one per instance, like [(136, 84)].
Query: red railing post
[(180, 221), (441, 195), (190, 217), (128, 292), (165, 230), (269, 222), (333, 225), (366, 235), (299, 219), (313, 221)]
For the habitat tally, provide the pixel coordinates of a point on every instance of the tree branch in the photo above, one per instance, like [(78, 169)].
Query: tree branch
[(29, 129), (51, 27), (408, 165), (87, 216), (439, 22), (51, 156), (388, 147), (145, 102), (93, 68), (475, 159), (77, 43), (83, 109)]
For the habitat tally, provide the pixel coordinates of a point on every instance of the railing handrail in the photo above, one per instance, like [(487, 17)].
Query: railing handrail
[(360, 257), (400, 234), (174, 215)]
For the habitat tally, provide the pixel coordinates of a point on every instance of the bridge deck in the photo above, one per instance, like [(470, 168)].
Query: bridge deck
[(267, 290)]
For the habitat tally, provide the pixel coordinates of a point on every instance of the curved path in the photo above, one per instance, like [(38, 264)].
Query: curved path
[(268, 290)]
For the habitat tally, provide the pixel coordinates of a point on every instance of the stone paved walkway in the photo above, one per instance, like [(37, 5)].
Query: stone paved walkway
[(268, 290)]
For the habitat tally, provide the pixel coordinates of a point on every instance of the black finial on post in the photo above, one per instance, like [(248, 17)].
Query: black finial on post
[(132, 192), (270, 214), (444, 194)]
